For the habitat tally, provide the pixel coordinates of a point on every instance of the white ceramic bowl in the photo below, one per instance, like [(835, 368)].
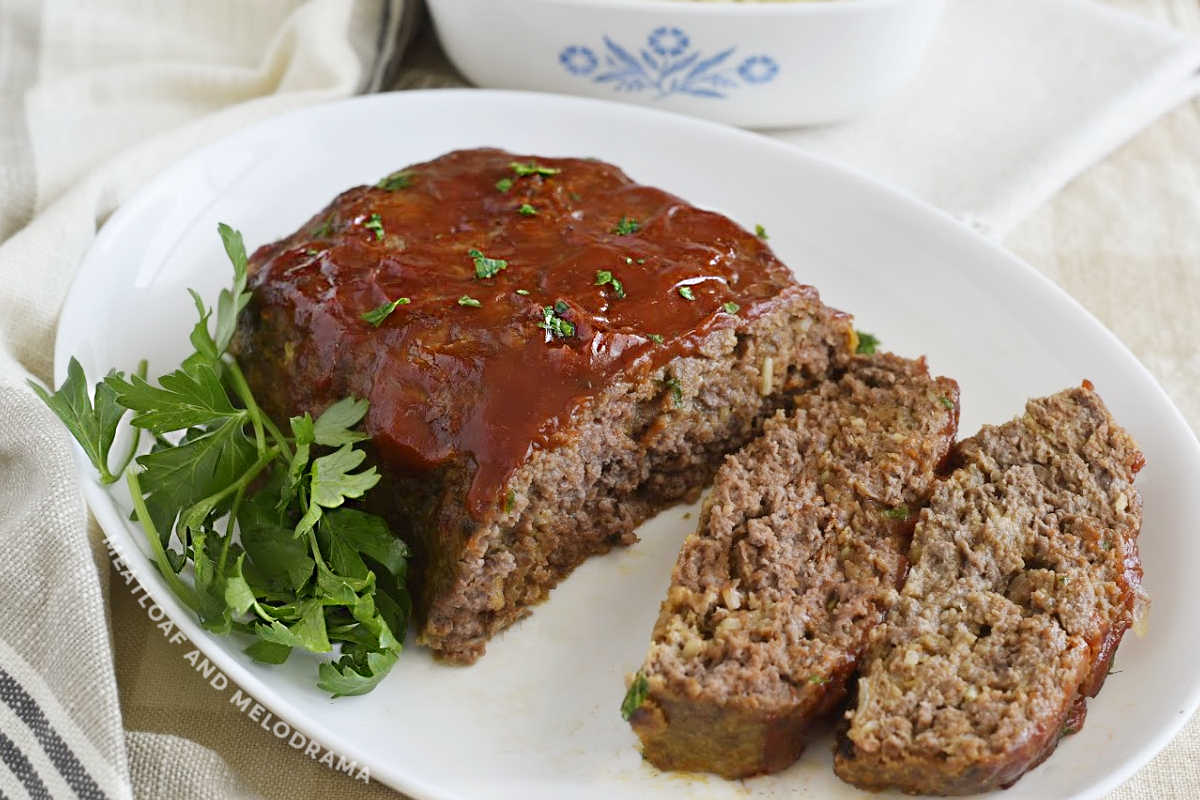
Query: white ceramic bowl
[(759, 65)]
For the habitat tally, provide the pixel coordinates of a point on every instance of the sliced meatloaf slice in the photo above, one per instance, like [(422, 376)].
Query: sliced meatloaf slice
[(800, 546), (1025, 575), (552, 353)]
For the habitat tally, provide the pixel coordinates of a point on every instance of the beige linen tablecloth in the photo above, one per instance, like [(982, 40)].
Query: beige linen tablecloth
[(1123, 238)]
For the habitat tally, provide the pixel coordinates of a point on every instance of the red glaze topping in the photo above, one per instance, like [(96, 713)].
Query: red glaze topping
[(447, 380)]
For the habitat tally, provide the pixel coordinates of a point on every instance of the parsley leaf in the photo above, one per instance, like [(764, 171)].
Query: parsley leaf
[(686, 293), (332, 428), (396, 181), (504, 184), (635, 696), (897, 513), (374, 223), (527, 210), (333, 482), (377, 315), (184, 399), (523, 292), (730, 307), (470, 302), (486, 267), (761, 232), (531, 168), (604, 277), (655, 337), (626, 226), (552, 322), (93, 423), (866, 343), (946, 402)]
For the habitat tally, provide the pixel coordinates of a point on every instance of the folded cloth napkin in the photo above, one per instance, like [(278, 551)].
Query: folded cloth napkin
[(1012, 101), (97, 95)]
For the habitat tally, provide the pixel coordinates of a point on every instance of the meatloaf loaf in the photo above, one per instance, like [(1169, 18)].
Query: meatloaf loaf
[(1025, 575), (552, 353), (800, 545)]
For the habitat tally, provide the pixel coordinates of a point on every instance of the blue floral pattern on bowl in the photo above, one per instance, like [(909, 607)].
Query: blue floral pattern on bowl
[(667, 65)]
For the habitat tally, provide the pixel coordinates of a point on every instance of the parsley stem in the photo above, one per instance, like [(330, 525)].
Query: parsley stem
[(233, 512), (110, 477), (257, 417), (184, 592), (241, 483)]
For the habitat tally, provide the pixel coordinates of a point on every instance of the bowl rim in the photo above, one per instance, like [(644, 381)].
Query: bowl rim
[(749, 8)]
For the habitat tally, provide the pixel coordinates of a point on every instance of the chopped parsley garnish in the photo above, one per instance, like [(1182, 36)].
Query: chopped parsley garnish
[(396, 181), (627, 225), (324, 229), (376, 316), (375, 223), (604, 277), (730, 307), (527, 210), (510, 500), (686, 293), (504, 184), (946, 402), (522, 291), (818, 680), (553, 323), (676, 388), (260, 516), (761, 232), (531, 168), (311, 253), (641, 261), (866, 343), (655, 337), (636, 695), (486, 267), (467, 300), (899, 512)]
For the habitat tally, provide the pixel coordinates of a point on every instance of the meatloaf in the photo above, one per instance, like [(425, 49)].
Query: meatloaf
[(552, 353), (800, 545), (1025, 576)]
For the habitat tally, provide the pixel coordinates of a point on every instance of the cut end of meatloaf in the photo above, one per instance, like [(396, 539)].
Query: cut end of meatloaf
[(1025, 576), (574, 352), (799, 551)]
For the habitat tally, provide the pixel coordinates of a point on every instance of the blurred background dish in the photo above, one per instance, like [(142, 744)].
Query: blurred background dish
[(754, 64)]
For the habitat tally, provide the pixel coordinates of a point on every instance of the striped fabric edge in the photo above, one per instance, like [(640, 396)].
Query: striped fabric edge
[(87, 772)]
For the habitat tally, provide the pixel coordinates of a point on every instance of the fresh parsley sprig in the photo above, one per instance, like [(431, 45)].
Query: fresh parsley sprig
[(260, 517)]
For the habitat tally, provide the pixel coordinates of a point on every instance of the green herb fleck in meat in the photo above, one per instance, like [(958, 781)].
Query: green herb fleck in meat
[(470, 302), (604, 277), (523, 170), (866, 343), (396, 181), (486, 267), (626, 226), (761, 232), (676, 388), (377, 315), (946, 402), (553, 322), (638, 689), (686, 293), (899, 512), (655, 337), (731, 307), (504, 184), (527, 210), (375, 224)]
